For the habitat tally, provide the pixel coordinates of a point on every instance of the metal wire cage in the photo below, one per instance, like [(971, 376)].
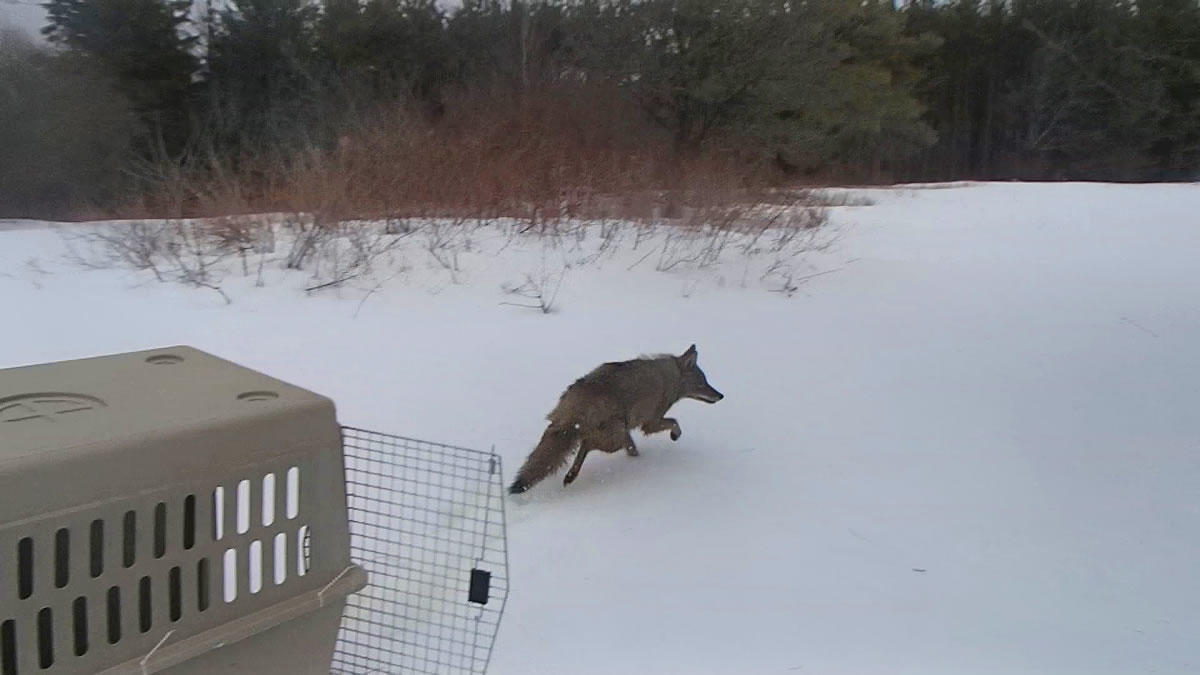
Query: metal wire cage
[(427, 523)]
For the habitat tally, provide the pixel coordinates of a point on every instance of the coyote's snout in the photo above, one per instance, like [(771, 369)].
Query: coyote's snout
[(599, 410)]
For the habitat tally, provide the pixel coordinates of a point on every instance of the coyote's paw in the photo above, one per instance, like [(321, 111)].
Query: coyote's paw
[(676, 432)]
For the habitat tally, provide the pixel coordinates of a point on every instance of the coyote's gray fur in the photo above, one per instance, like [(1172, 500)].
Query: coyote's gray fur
[(598, 411)]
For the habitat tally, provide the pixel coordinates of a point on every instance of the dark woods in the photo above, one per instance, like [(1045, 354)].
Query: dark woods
[(169, 105)]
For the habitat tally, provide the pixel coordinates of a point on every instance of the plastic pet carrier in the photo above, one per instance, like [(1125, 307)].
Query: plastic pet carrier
[(170, 511)]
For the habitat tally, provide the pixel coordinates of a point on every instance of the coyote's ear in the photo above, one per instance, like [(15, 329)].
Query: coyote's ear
[(689, 357)]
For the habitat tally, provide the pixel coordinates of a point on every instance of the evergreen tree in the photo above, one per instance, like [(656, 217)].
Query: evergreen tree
[(394, 46), (144, 44), (517, 45), (1099, 89), (814, 83), (262, 73), (65, 131), (1167, 32)]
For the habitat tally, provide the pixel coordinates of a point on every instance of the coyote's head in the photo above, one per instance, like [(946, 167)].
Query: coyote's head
[(695, 384)]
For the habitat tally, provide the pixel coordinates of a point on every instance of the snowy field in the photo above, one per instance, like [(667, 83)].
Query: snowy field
[(967, 442)]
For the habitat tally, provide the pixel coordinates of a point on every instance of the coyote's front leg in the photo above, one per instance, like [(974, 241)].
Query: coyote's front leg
[(665, 423)]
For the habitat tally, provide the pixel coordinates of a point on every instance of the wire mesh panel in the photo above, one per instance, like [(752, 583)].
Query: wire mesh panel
[(427, 523)]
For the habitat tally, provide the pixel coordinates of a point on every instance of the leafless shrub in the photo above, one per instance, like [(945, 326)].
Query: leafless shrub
[(611, 236), (307, 236), (185, 252), (781, 275), (352, 250), (244, 237), (137, 245), (193, 257), (677, 249), (399, 183), (368, 243), (540, 289), (701, 238), (443, 239)]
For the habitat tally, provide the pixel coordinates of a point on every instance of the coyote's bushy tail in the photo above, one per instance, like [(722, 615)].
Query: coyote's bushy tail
[(550, 454)]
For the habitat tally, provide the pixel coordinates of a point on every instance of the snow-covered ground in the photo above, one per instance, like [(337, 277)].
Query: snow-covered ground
[(972, 447)]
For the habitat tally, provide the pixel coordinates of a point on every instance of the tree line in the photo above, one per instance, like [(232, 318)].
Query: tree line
[(833, 90)]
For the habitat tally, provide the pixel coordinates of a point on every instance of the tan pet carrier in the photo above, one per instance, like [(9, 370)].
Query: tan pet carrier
[(171, 511)]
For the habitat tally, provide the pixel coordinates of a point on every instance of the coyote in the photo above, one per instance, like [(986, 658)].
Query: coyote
[(598, 411)]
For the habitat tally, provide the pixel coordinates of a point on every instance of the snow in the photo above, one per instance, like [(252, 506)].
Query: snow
[(973, 446)]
